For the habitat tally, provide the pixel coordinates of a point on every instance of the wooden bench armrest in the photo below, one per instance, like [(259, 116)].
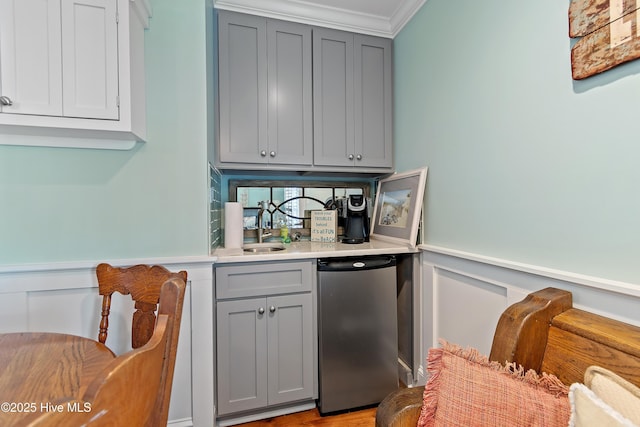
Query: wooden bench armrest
[(401, 408)]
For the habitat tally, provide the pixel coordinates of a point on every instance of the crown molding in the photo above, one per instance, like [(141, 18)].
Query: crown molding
[(143, 11), (403, 14), (323, 16)]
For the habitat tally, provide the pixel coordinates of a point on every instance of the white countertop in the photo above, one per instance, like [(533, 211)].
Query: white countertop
[(306, 250)]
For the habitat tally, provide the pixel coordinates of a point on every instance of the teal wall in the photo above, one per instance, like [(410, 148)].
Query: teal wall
[(80, 204), (525, 164)]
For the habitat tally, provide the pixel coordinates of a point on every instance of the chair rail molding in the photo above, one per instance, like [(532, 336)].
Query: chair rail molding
[(463, 295)]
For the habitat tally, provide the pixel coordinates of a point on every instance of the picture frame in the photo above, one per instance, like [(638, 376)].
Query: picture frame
[(398, 206)]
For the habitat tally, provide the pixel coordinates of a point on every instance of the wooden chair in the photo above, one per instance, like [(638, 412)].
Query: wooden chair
[(134, 389), (143, 283)]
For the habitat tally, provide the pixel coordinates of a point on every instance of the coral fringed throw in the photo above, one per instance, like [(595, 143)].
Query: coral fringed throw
[(465, 389)]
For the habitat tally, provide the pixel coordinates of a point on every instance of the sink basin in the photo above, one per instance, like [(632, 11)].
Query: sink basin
[(260, 248)]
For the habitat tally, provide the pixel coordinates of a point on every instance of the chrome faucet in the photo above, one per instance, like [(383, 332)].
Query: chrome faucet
[(261, 233)]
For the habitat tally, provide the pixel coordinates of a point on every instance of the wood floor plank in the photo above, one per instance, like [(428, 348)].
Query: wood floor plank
[(362, 418)]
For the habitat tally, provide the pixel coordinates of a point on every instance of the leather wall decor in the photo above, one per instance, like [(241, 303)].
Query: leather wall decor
[(609, 31)]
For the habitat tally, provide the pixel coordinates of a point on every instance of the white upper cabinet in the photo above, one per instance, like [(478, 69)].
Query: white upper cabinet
[(90, 59), (30, 57), (72, 68)]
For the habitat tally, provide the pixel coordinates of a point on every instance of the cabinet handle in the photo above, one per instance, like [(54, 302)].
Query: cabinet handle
[(359, 157), (350, 156), (272, 154), (263, 153), (261, 310), (272, 309), (5, 100)]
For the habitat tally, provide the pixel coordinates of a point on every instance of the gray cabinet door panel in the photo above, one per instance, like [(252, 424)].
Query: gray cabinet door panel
[(373, 103), (290, 348), (242, 355), (242, 88), (290, 104), (333, 105)]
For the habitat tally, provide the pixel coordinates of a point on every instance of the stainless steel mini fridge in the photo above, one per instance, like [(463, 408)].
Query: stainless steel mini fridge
[(357, 328)]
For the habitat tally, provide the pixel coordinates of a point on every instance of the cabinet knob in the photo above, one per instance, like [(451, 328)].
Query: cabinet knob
[(272, 309), (5, 100), (261, 310), (263, 153), (272, 154), (359, 157), (350, 156)]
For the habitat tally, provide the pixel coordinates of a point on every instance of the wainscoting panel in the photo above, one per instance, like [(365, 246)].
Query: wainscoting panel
[(464, 295), (465, 309), (13, 312), (64, 298)]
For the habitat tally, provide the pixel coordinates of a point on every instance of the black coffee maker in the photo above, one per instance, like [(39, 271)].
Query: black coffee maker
[(356, 214)]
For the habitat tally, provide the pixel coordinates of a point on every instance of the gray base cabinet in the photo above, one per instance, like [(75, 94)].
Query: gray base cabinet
[(265, 336)]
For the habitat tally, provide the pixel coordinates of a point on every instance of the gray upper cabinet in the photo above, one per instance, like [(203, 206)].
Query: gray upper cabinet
[(333, 98), (293, 97), (290, 102), (373, 103), (264, 91), (352, 100), (242, 87)]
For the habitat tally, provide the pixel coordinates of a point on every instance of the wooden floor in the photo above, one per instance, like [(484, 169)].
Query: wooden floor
[(362, 418)]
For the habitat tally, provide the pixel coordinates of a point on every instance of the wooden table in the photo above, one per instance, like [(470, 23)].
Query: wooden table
[(37, 369)]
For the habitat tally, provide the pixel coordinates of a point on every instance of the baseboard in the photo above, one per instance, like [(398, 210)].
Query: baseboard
[(187, 422), (404, 373), (266, 414)]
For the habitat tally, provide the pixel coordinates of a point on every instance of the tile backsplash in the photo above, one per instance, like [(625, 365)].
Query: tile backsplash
[(215, 208)]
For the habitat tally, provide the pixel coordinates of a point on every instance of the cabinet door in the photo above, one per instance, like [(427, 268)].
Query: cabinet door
[(373, 115), (90, 59), (30, 56), (242, 88), (290, 356), (242, 355), (333, 107), (289, 80)]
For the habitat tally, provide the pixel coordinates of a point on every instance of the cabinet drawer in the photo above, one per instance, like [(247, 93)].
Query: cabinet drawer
[(248, 280)]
